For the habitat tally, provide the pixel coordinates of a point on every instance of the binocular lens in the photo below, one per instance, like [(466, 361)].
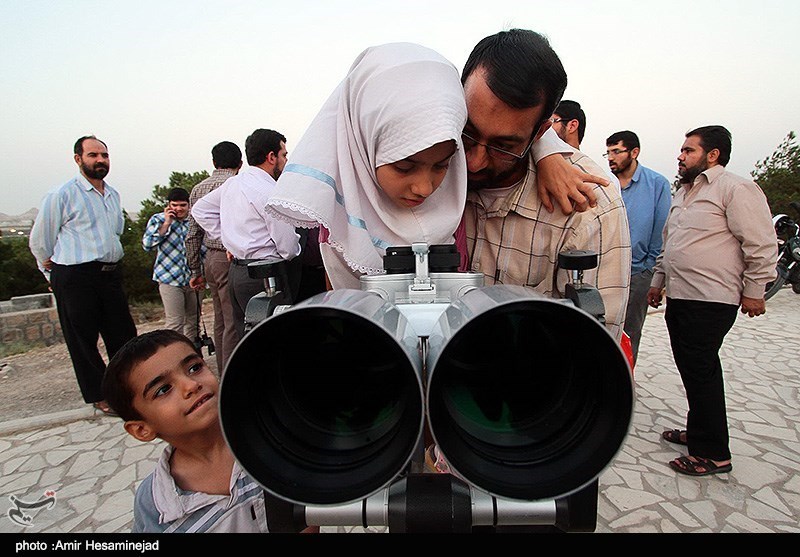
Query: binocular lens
[(321, 406), (530, 400)]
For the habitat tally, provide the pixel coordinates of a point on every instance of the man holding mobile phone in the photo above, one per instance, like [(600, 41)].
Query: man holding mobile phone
[(166, 232)]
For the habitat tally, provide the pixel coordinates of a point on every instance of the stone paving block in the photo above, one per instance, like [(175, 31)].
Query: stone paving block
[(704, 511), (72, 523), (121, 479), (51, 478), (84, 503), (35, 462), (136, 454), (688, 488), (112, 507), (755, 473), (59, 456), (122, 524), (101, 470), (12, 465), (631, 479), (742, 523), (626, 499), (680, 515), (762, 430), (19, 483), (86, 461), (760, 511), (76, 488)]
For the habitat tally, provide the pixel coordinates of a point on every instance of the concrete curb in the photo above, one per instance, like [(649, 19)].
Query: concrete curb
[(48, 420)]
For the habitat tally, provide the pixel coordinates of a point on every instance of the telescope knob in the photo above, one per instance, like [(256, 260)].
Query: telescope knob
[(264, 269), (577, 260)]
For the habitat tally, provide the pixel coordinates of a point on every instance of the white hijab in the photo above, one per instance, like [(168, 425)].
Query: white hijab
[(397, 100)]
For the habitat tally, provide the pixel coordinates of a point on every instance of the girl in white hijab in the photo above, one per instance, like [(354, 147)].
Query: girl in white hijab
[(382, 164)]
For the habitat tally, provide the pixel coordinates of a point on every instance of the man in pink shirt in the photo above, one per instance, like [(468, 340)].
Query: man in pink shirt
[(719, 252)]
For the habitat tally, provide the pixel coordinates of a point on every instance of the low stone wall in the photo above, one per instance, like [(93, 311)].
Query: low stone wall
[(30, 319)]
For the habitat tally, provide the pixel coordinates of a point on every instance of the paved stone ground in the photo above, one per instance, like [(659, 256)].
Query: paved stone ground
[(94, 467)]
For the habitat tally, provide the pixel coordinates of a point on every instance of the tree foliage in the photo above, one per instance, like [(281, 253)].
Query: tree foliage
[(19, 275), (138, 266), (779, 176)]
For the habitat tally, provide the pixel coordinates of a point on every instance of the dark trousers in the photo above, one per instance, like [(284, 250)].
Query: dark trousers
[(241, 288), (91, 303), (637, 308), (696, 331)]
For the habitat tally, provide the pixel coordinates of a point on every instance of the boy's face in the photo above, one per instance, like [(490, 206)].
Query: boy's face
[(174, 392)]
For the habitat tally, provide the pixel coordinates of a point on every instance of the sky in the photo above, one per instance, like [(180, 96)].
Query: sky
[(163, 81)]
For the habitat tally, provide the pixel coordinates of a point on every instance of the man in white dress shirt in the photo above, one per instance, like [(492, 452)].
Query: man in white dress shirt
[(234, 213)]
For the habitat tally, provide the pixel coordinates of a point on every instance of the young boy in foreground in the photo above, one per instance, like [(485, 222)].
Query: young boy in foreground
[(160, 385)]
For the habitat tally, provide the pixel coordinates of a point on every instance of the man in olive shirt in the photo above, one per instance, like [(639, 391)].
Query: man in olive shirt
[(719, 253)]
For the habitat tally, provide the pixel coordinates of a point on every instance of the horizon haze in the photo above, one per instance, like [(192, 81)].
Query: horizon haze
[(162, 82)]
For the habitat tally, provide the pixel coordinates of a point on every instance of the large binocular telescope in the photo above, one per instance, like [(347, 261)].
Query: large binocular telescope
[(329, 402)]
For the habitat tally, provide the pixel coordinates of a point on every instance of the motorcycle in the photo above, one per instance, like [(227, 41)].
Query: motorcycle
[(788, 234)]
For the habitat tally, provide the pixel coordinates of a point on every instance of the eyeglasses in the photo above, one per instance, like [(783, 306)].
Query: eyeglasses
[(561, 120), (494, 152), (614, 152)]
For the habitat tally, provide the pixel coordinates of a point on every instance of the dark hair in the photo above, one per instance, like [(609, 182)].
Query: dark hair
[(571, 110), (260, 144), (117, 390), (629, 139), (178, 194), (226, 155), (78, 148), (715, 137), (522, 69)]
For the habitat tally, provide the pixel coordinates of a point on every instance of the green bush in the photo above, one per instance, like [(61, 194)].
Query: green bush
[(19, 275)]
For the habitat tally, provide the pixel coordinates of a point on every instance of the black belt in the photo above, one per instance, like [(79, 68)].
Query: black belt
[(245, 262)]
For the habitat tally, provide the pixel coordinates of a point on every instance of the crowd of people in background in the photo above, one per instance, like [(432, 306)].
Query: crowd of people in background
[(489, 159)]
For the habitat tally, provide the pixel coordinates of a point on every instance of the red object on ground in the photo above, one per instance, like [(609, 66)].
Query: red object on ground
[(627, 349)]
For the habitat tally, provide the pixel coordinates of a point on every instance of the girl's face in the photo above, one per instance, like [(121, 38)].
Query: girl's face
[(410, 181)]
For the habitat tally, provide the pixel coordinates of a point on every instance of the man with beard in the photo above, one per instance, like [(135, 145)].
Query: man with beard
[(719, 253), (569, 122), (647, 198), (76, 242), (513, 82), (234, 213)]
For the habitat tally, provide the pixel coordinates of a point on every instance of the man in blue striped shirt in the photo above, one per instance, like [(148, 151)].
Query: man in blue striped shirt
[(76, 242), (166, 232), (647, 198)]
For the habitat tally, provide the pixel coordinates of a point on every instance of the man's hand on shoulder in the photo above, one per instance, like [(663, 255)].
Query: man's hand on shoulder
[(567, 184), (753, 307)]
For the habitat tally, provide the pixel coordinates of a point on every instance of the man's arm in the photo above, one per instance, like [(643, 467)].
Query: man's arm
[(207, 213), (663, 203), (558, 180), (750, 221), (287, 241), (194, 240), (152, 236), (42, 240)]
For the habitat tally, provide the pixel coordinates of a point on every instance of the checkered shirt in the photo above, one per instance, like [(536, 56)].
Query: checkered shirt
[(170, 266), (513, 239), (197, 239)]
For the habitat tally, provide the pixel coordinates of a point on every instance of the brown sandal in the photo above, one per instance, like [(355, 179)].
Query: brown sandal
[(699, 466), (676, 436)]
